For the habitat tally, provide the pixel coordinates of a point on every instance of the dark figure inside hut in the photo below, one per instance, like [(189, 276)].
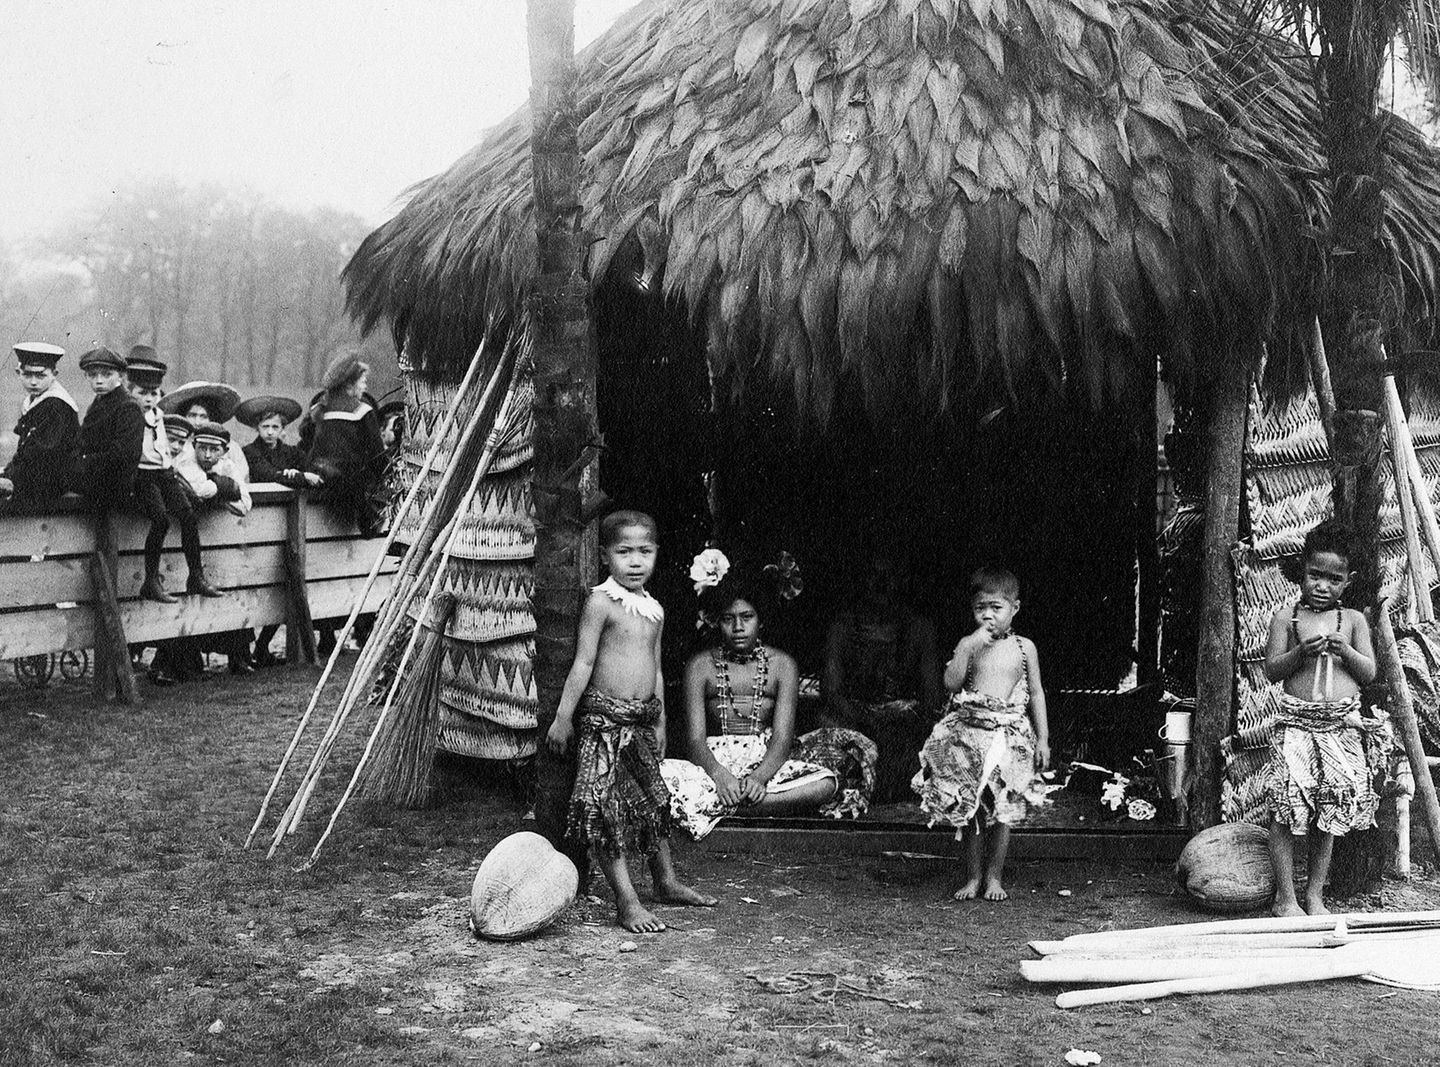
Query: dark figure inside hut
[(1327, 761), (345, 447), (161, 492), (614, 695), (882, 675), (270, 458), (49, 423), (980, 768), (112, 434), (740, 697)]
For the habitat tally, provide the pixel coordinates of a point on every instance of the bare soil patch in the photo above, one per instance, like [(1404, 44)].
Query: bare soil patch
[(135, 929)]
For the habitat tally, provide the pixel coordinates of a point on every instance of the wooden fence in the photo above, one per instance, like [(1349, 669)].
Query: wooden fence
[(69, 581)]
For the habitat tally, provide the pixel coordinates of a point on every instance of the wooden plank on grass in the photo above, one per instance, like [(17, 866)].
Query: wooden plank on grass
[(45, 630)]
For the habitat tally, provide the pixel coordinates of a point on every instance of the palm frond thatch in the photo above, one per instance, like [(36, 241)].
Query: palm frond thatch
[(915, 196)]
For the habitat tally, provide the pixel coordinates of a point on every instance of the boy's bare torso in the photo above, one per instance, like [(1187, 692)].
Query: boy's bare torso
[(625, 665), (1307, 624), (996, 669)]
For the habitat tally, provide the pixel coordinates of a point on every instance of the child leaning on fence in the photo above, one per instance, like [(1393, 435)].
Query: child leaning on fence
[(979, 769), (1326, 759), (615, 690)]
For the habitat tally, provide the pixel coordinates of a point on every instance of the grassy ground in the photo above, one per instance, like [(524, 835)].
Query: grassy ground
[(135, 930)]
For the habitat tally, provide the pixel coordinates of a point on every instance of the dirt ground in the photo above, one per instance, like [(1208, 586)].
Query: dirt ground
[(134, 929)]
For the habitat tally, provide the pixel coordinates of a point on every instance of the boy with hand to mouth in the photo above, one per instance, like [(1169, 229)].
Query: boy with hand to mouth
[(49, 423), (1325, 758)]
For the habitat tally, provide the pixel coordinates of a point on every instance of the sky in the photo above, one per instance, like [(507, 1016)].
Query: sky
[(344, 103)]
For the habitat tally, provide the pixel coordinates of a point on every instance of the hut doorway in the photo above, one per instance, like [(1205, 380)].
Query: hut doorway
[(1049, 491)]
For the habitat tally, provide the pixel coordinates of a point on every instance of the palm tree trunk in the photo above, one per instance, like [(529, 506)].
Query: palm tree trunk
[(1363, 301), (564, 369)]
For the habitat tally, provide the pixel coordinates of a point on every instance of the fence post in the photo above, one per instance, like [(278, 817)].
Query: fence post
[(112, 651), (299, 627)]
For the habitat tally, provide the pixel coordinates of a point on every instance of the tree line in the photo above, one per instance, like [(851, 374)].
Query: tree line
[(223, 283)]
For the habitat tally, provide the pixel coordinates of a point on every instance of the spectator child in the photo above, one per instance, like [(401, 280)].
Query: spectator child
[(111, 435), (212, 402), (269, 457), (49, 423), (346, 450), (160, 490)]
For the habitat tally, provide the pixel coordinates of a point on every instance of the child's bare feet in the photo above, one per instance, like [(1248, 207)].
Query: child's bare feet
[(994, 890), (969, 891), (675, 892), (1286, 909), (1315, 905), (635, 918)]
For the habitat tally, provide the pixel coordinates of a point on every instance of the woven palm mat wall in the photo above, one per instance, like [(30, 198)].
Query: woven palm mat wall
[(488, 702), (1287, 489)]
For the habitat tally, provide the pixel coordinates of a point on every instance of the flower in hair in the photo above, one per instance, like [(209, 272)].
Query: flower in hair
[(785, 573), (708, 569)]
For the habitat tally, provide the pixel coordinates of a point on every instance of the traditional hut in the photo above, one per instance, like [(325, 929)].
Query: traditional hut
[(890, 272)]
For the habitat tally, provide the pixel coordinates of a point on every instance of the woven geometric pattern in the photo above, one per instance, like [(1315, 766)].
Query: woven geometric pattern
[(1287, 491)]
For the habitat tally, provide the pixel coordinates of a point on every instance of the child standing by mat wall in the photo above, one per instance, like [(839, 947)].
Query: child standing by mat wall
[(620, 802), (979, 771), (1326, 759)]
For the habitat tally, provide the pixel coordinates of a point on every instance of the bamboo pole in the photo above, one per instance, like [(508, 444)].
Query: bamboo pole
[(399, 603), (1424, 508), (1414, 561), (404, 510), (482, 468), (1215, 669), (1402, 712), (1320, 377)]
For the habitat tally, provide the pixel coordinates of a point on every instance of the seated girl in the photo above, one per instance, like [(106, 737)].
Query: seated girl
[(740, 699)]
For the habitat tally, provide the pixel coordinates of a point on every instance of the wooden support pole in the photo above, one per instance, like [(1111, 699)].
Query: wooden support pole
[(1320, 379), (299, 627), (112, 651), (1215, 662), (1402, 714), (1417, 602), (1148, 579)]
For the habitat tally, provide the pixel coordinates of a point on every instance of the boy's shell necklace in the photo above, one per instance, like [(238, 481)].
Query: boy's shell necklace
[(641, 603)]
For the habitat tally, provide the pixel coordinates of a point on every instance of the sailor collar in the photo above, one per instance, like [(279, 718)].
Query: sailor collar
[(349, 416), (55, 392)]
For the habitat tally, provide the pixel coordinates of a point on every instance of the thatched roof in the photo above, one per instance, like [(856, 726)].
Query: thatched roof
[(917, 196)]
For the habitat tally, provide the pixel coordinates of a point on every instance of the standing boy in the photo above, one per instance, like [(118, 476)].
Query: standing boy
[(620, 800), (49, 423), (1325, 758), (111, 436), (160, 491)]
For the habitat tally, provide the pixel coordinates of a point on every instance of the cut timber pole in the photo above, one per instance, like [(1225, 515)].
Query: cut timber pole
[(1402, 713), (564, 412), (1320, 378), (1215, 662), (1148, 592), (112, 652), (299, 627)]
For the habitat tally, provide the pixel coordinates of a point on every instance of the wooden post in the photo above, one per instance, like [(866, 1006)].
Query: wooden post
[(112, 651), (299, 627), (1147, 547), (1215, 662), (1402, 713), (564, 371)]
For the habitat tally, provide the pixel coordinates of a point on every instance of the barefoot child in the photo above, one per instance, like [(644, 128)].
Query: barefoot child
[(980, 765), (620, 801), (1324, 757)]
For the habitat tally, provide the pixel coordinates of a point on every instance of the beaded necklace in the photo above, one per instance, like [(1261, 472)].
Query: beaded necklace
[(732, 720)]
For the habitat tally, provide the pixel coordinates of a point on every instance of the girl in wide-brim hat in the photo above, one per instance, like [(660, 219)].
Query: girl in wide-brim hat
[(218, 400), (253, 411)]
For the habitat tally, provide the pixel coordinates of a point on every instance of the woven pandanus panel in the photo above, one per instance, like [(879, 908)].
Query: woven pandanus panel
[(1287, 489), (488, 699)]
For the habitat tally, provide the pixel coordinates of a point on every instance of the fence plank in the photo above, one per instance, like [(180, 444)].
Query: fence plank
[(218, 526), (67, 533), (56, 629)]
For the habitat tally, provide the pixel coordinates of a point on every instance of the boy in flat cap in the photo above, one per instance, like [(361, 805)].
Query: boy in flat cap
[(160, 490), (270, 458), (49, 423), (111, 435)]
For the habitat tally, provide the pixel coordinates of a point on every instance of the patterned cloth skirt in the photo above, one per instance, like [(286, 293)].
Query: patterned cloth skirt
[(695, 804), (620, 802), (979, 760), (1327, 765)]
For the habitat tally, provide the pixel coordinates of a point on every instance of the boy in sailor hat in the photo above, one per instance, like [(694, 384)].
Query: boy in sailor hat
[(49, 424)]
